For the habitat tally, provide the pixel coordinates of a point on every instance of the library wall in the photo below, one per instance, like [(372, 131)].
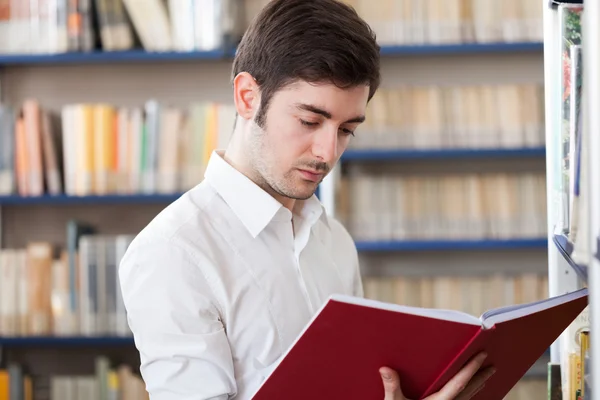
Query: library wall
[(401, 200)]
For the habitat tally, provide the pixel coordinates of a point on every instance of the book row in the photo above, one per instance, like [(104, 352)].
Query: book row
[(575, 351), (100, 149), (155, 25), (117, 382), (190, 25), (75, 294), (399, 22), (454, 116), (120, 382), (443, 206), (473, 294)]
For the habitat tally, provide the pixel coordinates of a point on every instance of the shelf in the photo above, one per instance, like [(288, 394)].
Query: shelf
[(135, 56), (86, 200), (90, 341), (440, 245), (109, 57), (432, 154), (565, 248), (464, 48)]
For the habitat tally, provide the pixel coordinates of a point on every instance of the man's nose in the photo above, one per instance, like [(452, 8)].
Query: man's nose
[(325, 145)]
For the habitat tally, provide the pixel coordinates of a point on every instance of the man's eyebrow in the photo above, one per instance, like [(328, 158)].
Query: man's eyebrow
[(327, 114)]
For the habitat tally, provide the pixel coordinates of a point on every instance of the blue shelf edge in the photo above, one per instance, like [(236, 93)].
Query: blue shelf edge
[(462, 48), (83, 200), (94, 57), (414, 154), (440, 245), (66, 341), (139, 55), (565, 248)]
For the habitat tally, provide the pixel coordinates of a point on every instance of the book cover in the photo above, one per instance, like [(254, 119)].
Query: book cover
[(339, 353)]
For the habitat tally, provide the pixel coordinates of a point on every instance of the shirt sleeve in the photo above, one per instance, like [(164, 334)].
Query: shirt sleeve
[(176, 324)]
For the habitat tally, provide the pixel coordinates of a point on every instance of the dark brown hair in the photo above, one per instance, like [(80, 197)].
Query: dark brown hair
[(312, 40)]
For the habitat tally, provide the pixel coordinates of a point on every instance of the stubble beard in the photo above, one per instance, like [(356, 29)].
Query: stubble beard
[(260, 156)]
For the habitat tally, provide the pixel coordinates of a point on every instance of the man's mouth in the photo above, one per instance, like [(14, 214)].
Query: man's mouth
[(311, 175)]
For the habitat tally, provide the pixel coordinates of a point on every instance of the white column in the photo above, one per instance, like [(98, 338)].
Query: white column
[(591, 134), (562, 278)]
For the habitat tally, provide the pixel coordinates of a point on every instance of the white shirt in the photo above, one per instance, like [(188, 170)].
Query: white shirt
[(217, 287)]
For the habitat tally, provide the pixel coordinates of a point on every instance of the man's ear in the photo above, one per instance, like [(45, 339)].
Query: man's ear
[(246, 95)]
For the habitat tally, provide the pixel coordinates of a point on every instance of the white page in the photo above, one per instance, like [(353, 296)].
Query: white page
[(492, 317), (447, 315)]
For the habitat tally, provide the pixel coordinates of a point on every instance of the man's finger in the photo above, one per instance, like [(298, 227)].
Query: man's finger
[(476, 384), (391, 384), (459, 382)]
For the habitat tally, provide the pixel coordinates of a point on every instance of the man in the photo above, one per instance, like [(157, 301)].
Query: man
[(219, 285)]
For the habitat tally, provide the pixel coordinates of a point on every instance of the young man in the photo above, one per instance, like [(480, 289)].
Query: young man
[(220, 284)]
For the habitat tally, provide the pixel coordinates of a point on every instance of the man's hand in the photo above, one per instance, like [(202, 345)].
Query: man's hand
[(462, 386)]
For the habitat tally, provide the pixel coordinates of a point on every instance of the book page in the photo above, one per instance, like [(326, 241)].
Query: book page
[(495, 316), (447, 315)]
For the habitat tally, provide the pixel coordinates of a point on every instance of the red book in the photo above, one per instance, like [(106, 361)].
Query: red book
[(339, 353)]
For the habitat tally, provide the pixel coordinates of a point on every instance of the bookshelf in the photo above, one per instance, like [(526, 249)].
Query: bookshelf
[(129, 78)]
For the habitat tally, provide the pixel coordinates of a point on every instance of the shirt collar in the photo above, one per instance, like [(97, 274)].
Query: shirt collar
[(250, 203)]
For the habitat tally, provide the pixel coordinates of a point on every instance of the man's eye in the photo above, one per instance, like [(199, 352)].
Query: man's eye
[(307, 123), (348, 132)]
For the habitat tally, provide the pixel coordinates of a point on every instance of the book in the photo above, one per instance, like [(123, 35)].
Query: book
[(339, 353)]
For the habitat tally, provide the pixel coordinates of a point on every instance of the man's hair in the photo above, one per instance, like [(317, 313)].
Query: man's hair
[(317, 41)]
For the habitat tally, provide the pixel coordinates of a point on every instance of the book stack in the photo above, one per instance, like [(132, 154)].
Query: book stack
[(101, 149), (77, 293), (454, 116), (401, 22), (443, 206)]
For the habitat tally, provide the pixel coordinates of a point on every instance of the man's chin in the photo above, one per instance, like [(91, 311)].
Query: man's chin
[(301, 194)]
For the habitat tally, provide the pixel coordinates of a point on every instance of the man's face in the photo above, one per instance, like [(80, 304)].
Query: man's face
[(308, 127)]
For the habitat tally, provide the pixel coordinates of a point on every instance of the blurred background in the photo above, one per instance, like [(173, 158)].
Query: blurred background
[(110, 109)]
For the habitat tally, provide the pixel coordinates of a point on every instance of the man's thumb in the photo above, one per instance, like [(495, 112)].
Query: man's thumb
[(391, 384)]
